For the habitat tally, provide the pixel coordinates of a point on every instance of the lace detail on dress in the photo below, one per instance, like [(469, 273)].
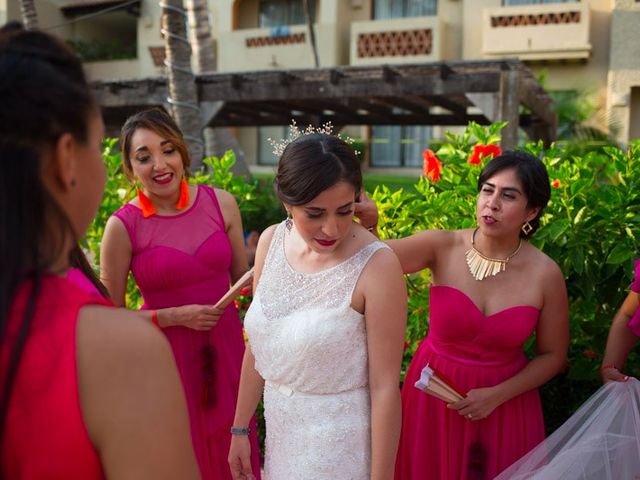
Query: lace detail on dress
[(329, 288), (311, 348)]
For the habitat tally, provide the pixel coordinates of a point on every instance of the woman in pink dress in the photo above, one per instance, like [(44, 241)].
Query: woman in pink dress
[(88, 391), (491, 290), (624, 333), (184, 246)]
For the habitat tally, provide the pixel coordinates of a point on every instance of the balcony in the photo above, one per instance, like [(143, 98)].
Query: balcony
[(113, 70), (399, 40), (276, 48), (537, 32)]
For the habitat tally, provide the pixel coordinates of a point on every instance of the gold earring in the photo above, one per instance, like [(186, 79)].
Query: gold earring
[(526, 228)]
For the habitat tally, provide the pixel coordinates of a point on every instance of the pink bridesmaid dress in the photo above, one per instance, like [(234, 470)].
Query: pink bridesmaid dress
[(634, 322), (472, 350), (45, 435), (180, 260)]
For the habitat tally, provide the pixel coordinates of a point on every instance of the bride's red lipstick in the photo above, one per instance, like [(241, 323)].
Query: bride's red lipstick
[(325, 243)]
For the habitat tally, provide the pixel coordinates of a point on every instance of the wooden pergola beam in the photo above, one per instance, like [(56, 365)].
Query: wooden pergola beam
[(372, 95)]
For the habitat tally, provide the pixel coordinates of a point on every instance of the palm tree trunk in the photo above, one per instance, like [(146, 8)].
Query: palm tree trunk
[(29, 14), (200, 33), (217, 140), (183, 95), (312, 34)]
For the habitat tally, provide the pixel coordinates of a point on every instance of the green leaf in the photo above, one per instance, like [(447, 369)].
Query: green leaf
[(620, 254)]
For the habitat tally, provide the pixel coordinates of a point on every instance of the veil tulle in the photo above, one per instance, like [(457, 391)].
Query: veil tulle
[(600, 441)]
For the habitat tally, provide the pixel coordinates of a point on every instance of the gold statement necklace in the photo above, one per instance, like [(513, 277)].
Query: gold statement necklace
[(481, 266)]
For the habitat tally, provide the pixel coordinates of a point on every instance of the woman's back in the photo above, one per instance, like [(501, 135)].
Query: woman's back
[(45, 434)]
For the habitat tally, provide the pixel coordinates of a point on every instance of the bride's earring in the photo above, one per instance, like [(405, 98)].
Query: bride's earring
[(289, 221)]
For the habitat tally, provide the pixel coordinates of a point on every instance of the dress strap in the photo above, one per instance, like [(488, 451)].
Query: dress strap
[(275, 249)]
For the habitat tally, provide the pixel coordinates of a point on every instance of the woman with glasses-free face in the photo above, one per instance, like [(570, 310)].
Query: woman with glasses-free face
[(502, 206), (184, 245), (325, 329), (490, 291), (89, 391)]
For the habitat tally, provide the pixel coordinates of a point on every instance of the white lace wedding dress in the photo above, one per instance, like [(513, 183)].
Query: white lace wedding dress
[(310, 346)]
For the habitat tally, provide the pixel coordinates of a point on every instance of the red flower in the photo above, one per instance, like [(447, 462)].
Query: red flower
[(590, 354), (238, 304), (480, 152), (245, 291), (556, 183), (406, 345), (431, 167)]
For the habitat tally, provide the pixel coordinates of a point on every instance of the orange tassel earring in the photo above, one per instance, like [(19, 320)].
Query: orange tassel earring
[(147, 207), (145, 204), (183, 200)]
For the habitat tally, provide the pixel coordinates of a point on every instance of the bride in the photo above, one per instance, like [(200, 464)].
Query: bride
[(325, 329)]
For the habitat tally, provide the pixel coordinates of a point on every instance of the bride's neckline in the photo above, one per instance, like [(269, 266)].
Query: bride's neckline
[(319, 272)]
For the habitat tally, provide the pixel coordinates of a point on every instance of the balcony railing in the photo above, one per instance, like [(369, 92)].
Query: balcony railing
[(280, 47), (113, 70), (537, 32), (400, 40)]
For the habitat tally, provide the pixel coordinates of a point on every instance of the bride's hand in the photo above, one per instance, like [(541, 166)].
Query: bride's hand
[(366, 211), (240, 458)]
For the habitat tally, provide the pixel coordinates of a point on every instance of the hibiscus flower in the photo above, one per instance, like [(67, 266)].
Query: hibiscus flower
[(432, 167), (480, 152)]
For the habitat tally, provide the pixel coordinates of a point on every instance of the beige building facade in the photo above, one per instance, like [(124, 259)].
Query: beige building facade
[(588, 46)]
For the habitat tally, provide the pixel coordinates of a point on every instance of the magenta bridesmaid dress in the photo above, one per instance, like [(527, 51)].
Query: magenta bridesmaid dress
[(634, 322), (181, 260), (472, 350)]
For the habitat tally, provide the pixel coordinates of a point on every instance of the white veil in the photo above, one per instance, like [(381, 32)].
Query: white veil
[(601, 441)]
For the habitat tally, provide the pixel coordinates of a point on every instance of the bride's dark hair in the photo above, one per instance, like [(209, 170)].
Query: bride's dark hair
[(313, 163)]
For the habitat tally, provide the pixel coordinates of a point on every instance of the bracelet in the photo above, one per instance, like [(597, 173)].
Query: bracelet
[(240, 431), (154, 318), (607, 367), (372, 227)]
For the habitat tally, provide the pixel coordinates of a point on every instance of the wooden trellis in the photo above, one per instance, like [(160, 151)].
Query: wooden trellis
[(447, 94)]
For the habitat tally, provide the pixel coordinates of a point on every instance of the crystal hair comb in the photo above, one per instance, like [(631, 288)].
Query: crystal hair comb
[(296, 132)]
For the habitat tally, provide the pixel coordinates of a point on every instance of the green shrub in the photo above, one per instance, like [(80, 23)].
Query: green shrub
[(97, 51)]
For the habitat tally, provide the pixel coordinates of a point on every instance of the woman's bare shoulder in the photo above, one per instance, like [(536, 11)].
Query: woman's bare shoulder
[(118, 332)]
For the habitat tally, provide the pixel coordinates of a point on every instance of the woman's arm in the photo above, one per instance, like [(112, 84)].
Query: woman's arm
[(131, 398), (115, 260), (251, 385), (552, 342), (249, 394), (233, 227), (420, 250), (385, 313), (416, 252), (621, 340)]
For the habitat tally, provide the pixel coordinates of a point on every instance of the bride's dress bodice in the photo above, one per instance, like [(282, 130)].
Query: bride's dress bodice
[(310, 346)]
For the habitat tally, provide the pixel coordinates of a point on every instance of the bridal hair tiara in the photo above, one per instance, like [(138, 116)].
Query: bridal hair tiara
[(296, 132)]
